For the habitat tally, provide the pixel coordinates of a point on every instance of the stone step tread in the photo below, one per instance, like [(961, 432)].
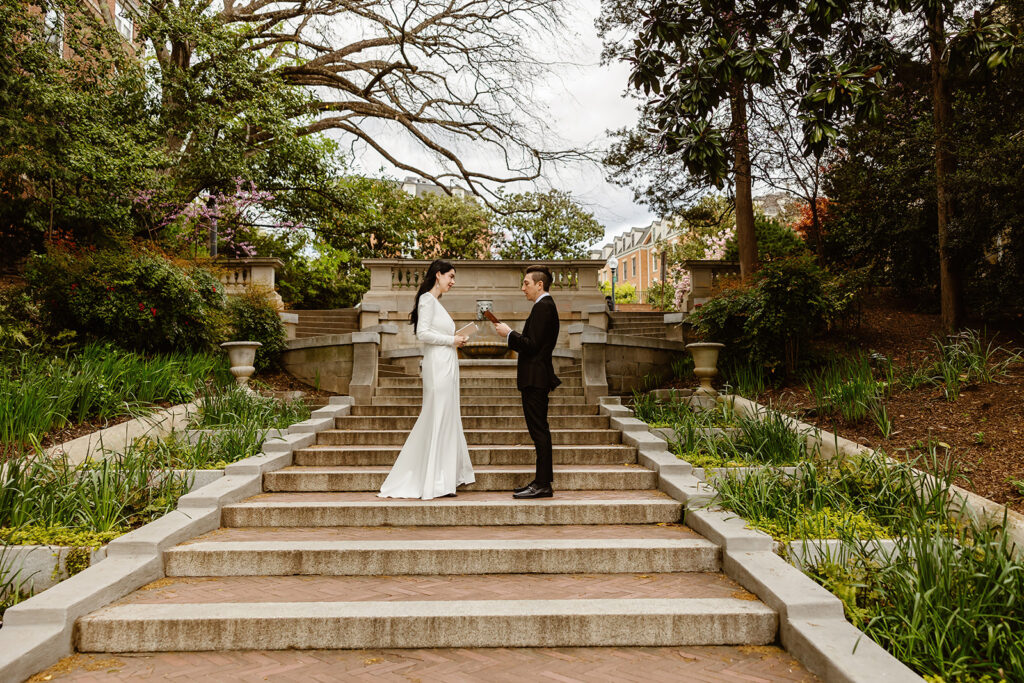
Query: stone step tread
[(610, 433), (527, 588), (635, 532), (388, 557), (407, 421), (515, 469), (427, 623), (363, 498), (618, 450), (488, 477), (475, 410)]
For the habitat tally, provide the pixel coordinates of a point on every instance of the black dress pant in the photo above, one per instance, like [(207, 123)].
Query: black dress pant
[(535, 409)]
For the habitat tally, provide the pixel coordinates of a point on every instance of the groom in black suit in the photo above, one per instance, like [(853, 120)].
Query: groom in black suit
[(535, 373)]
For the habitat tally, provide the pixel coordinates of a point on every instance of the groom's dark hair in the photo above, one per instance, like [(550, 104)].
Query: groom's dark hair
[(541, 273)]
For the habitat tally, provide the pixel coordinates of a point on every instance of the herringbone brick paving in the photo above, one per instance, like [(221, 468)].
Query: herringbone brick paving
[(251, 589), (450, 533), (556, 665)]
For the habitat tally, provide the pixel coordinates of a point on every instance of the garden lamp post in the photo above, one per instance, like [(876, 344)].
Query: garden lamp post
[(613, 263)]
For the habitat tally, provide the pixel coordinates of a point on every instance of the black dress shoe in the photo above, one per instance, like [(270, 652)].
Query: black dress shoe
[(523, 488), (535, 491)]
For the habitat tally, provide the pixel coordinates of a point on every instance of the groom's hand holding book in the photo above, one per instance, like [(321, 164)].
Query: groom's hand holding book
[(502, 329)]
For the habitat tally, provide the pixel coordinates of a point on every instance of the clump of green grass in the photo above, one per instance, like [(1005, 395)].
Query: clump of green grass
[(40, 392), (232, 406), (677, 413), (965, 358), (847, 387), (745, 378), (111, 495), (209, 450), (764, 439)]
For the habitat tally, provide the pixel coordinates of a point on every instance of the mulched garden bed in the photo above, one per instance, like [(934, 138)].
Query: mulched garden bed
[(983, 429)]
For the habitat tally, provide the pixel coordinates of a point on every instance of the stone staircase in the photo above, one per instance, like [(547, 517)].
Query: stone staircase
[(329, 321), (318, 561), (638, 324)]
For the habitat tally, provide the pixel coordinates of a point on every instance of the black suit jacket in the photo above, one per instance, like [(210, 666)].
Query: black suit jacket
[(534, 346)]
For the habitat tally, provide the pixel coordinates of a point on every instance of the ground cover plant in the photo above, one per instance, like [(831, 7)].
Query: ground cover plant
[(51, 501), (948, 601), (720, 437), (41, 393)]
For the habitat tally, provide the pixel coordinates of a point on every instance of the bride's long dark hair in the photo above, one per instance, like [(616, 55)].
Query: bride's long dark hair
[(429, 280)]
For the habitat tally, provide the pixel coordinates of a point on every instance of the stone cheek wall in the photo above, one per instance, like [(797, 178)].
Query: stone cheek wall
[(627, 366), (327, 366)]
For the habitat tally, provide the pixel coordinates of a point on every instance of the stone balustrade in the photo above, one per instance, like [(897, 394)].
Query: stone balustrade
[(704, 275), (240, 275)]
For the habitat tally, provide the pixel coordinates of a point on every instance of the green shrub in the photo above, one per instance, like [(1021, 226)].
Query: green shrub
[(625, 292), (661, 296), (765, 322), (139, 300), (254, 318), (775, 240)]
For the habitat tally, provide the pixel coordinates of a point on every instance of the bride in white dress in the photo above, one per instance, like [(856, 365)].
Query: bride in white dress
[(435, 458)]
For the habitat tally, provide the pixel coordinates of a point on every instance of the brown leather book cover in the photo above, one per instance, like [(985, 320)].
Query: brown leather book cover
[(490, 316)]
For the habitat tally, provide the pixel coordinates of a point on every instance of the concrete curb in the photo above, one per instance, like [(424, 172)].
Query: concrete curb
[(812, 625), (39, 632), (159, 423)]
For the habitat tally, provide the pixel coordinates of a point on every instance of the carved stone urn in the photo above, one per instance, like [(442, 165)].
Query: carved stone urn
[(705, 365), (242, 355)]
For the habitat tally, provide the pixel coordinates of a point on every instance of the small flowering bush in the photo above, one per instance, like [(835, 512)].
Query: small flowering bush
[(254, 318), (139, 300)]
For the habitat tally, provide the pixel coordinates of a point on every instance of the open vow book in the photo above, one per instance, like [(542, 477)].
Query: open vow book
[(468, 331)]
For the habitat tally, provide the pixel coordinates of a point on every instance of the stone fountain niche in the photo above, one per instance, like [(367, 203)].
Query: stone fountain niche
[(486, 342)]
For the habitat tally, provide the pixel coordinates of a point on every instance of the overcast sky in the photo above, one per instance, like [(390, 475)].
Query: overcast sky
[(583, 102)]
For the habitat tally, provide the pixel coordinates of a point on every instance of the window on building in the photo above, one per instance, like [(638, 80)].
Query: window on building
[(625, 270), (124, 21), (636, 271), (53, 23)]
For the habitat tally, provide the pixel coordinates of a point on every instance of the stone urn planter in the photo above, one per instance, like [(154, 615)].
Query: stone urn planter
[(705, 365), (242, 355)]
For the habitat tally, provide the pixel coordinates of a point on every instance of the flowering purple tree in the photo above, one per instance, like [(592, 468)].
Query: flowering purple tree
[(225, 217)]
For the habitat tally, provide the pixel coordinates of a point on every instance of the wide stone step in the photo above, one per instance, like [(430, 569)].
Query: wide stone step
[(474, 437), (478, 550), (468, 382), (475, 410), (334, 456), (504, 610), (471, 508), (499, 399), (478, 393), (493, 422), (488, 478)]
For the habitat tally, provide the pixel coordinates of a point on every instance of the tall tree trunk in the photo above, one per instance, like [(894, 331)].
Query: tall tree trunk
[(745, 237), (950, 276), (819, 250)]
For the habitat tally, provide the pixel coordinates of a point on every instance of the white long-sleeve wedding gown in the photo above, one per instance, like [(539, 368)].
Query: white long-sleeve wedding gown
[(435, 458)]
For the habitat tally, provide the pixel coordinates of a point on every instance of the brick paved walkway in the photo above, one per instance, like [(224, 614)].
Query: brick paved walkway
[(251, 589), (561, 665)]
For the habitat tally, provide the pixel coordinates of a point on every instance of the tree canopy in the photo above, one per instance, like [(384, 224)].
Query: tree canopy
[(544, 225)]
